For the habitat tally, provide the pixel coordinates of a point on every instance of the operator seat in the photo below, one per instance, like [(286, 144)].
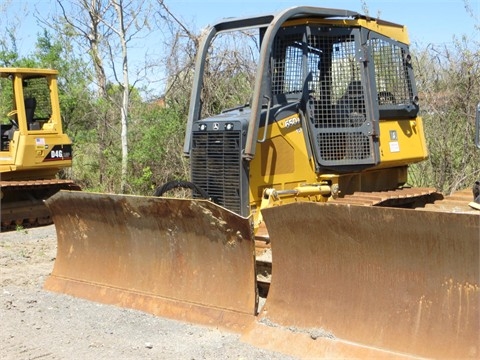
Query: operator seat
[(30, 105)]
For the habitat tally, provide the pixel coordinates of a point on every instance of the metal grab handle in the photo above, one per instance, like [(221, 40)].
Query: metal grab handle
[(266, 120)]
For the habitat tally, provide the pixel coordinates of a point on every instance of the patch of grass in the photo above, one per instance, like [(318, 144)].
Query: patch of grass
[(20, 228)]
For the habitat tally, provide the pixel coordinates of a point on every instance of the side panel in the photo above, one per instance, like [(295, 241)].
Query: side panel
[(282, 160), (402, 142), (402, 280), (35, 156), (44, 150), (185, 259)]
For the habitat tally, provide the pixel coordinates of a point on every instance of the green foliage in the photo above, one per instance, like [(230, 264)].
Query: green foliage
[(8, 49), (49, 52), (6, 100), (156, 139), (449, 86)]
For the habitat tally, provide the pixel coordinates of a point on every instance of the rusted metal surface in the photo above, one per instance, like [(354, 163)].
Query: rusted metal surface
[(313, 344), (184, 259), (392, 198), (382, 279)]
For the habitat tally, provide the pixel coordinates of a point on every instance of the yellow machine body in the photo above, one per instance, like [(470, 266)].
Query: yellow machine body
[(286, 140), (33, 146), (30, 148)]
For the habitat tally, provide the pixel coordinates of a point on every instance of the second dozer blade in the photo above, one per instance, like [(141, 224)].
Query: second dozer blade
[(184, 259), (359, 278)]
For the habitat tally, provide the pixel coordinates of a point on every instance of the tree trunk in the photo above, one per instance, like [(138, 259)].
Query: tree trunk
[(125, 96)]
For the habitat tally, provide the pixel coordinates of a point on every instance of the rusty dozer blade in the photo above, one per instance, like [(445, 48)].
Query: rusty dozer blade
[(371, 282), (189, 260)]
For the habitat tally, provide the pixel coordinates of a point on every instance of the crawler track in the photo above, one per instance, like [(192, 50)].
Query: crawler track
[(405, 197), (456, 202), (22, 201)]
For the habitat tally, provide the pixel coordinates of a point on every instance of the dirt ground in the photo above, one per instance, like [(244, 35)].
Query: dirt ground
[(37, 324)]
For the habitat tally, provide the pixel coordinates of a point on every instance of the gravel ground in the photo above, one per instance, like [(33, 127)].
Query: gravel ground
[(37, 324)]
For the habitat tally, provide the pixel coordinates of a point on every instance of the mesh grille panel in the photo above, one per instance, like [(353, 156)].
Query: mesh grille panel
[(287, 71), (337, 89), (38, 89), (216, 166), (337, 105), (338, 146), (391, 74)]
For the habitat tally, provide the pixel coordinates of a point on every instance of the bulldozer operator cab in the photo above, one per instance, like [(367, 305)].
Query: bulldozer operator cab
[(31, 129), (342, 87), (332, 102), (33, 114)]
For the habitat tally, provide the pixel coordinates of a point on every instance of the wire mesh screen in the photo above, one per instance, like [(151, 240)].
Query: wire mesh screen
[(37, 88), (394, 86), (337, 71), (287, 65), (337, 102)]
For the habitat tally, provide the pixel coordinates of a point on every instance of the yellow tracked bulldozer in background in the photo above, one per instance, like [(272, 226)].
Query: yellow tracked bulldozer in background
[(33, 146), (312, 172)]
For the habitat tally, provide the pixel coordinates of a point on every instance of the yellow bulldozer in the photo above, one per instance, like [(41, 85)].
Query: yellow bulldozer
[(306, 180), (33, 146)]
